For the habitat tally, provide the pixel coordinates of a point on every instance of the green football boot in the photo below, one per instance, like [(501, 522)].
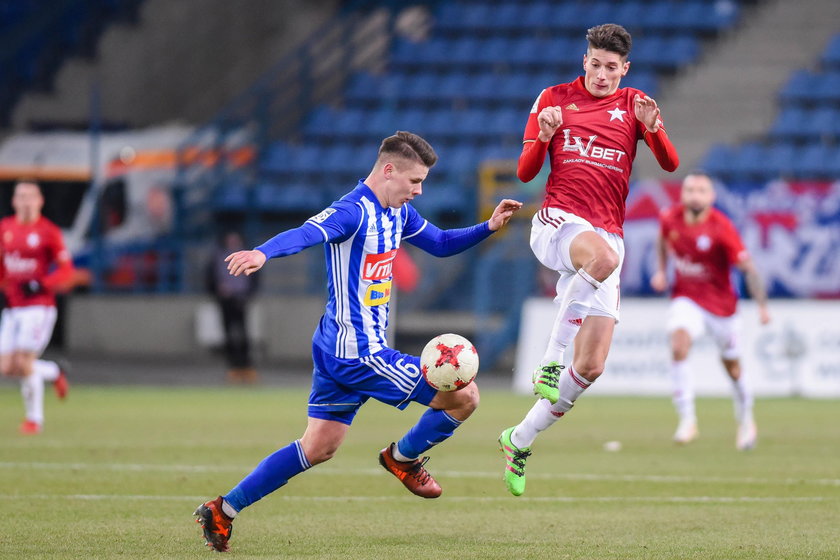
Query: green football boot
[(514, 463), (546, 379)]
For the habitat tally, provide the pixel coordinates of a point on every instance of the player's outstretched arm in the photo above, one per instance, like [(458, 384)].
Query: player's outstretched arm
[(503, 213), (245, 262), (756, 288)]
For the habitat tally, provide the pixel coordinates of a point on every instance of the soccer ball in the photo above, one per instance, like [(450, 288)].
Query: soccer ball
[(449, 362)]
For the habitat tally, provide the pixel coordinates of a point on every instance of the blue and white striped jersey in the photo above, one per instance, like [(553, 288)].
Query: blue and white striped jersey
[(360, 244)]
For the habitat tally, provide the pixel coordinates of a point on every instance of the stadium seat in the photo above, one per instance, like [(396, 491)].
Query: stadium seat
[(831, 55)]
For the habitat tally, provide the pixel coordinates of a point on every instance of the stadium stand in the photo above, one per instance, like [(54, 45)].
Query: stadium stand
[(804, 139)]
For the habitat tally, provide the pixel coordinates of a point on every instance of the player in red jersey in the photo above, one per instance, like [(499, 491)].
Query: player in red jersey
[(589, 128), (705, 246), (33, 264)]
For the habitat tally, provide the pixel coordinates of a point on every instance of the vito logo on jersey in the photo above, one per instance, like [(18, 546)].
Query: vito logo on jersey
[(591, 149), (377, 294), (378, 267)]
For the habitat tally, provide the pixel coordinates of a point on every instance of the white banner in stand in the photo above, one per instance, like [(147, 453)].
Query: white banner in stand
[(797, 354)]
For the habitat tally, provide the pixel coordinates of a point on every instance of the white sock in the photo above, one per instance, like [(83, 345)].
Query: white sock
[(228, 509), (48, 371), (683, 395), (575, 306), (742, 398), (543, 414), (32, 390)]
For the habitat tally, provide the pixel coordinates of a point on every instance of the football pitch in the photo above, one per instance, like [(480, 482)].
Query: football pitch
[(119, 471)]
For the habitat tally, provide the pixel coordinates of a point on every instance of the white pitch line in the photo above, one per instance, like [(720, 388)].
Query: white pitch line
[(662, 479), (543, 499)]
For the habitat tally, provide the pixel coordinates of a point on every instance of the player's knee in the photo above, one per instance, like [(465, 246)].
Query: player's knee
[(466, 401), (321, 452), (603, 264), (589, 368)]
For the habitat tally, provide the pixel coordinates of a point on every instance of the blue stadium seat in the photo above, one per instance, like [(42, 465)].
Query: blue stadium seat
[(812, 162), (718, 159), (789, 124), (288, 197), (831, 55), (798, 88)]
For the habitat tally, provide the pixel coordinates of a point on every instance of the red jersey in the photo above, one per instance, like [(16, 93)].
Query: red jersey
[(27, 252), (704, 254), (591, 153)]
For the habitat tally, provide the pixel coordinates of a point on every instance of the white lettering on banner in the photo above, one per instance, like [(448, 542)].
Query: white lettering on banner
[(788, 357)]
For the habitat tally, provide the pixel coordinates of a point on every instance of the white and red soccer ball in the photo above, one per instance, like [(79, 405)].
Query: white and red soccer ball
[(449, 362)]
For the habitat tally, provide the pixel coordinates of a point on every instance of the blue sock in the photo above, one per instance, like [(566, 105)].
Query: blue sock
[(273, 472), (432, 428)]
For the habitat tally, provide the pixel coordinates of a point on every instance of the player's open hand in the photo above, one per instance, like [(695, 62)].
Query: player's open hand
[(549, 119), (503, 212), (647, 112), (247, 262), (763, 315), (659, 282)]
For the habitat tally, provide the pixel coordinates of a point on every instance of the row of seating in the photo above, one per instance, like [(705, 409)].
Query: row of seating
[(768, 161), (490, 88), (695, 16), (807, 124), (656, 52), (812, 88)]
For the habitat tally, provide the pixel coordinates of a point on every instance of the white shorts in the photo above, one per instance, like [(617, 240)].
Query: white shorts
[(552, 232), (684, 313), (26, 329)]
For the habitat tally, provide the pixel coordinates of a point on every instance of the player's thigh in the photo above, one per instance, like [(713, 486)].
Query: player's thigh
[(34, 328), (592, 345), (725, 331), (684, 314), (552, 233)]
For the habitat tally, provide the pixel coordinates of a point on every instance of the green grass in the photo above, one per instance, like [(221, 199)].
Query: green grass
[(118, 472)]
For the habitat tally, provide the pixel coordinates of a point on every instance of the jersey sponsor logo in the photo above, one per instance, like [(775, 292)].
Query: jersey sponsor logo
[(571, 107), (379, 267), (377, 294), (689, 268), (591, 149), (321, 218), (18, 265)]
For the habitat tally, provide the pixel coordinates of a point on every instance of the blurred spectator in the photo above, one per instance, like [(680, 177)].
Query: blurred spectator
[(233, 294)]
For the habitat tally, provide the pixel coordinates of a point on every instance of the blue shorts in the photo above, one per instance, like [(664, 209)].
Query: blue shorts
[(341, 386)]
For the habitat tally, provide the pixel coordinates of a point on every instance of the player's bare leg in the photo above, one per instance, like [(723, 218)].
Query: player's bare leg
[(592, 345), (683, 388), (447, 411), (747, 435)]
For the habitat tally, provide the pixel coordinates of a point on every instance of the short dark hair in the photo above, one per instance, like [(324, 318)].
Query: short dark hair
[(409, 146), (610, 37)]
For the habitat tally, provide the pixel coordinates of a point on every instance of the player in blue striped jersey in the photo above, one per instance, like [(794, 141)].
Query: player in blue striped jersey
[(361, 234)]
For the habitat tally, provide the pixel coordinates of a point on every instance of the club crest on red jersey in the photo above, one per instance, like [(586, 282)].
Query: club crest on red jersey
[(33, 239)]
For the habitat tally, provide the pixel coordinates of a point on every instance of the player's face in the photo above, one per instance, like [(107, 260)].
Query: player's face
[(405, 181), (27, 201), (603, 71), (697, 193)]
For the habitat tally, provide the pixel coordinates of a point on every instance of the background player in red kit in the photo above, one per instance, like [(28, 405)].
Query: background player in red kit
[(705, 246), (30, 247), (589, 128)]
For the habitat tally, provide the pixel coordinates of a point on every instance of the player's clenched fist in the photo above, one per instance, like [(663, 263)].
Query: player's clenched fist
[(549, 120), (245, 261)]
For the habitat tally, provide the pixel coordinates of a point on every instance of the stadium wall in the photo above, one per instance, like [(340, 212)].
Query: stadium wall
[(797, 354), (167, 326)]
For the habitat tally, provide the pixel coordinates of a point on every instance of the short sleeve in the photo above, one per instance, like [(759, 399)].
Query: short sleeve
[(732, 243)]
